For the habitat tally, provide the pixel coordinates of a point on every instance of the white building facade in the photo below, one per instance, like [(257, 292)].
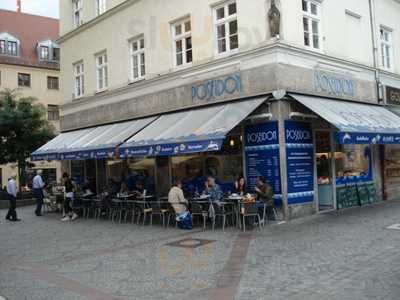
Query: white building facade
[(324, 71)]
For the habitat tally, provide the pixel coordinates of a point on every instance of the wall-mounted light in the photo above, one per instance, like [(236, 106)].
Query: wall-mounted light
[(232, 143)]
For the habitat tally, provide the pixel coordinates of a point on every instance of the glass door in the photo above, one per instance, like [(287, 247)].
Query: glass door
[(323, 153)]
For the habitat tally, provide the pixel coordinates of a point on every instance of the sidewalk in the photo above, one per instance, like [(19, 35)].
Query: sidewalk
[(350, 255)]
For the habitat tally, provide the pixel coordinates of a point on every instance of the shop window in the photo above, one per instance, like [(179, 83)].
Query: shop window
[(133, 171), (226, 27), (78, 171), (24, 80), (226, 166), (182, 42), (353, 164)]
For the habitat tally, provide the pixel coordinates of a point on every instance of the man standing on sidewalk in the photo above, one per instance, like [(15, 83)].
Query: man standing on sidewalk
[(12, 197), (38, 186)]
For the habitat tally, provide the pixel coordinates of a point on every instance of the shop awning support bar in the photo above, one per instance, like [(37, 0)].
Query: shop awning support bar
[(267, 116)]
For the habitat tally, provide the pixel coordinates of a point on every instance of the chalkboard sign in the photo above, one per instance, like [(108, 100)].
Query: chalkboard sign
[(372, 193), (355, 195), (363, 194), (347, 196)]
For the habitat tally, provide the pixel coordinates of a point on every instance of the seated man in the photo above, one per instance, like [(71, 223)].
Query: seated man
[(177, 199), (179, 204), (213, 189), (139, 190)]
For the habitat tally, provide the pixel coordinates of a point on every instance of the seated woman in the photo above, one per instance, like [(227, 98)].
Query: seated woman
[(124, 189), (213, 189), (139, 190), (240, 186)]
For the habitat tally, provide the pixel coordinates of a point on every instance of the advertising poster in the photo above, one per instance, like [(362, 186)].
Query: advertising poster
[(262, 156), (300, 162)]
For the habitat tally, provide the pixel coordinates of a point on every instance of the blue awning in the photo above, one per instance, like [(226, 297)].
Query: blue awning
[(98, 142), (357, 123), (197, 130)]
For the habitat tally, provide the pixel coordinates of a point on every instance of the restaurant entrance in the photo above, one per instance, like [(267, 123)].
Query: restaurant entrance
[(325, 163)]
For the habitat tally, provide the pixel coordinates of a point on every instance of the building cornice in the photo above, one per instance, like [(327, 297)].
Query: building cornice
[(96, 20)]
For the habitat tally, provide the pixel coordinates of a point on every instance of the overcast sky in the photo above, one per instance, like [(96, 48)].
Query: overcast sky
[(48, 8)]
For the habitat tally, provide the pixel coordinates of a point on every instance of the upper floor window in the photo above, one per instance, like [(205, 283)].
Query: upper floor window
[(386, 49), (226, 27), (78, 80), (48, 51), (138, 65), (53, 112), (182, 42), (44, 53), (100, 7), (102, 71), (52, 83), (9, 45), (77, 12), (24, 80), (312, 23)]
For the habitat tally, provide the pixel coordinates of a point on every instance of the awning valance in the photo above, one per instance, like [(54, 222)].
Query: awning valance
[(98, 142), (191, 131), (357, 123)]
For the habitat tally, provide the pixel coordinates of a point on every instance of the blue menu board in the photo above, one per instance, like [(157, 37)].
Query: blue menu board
[(262, 156), (300, 162)]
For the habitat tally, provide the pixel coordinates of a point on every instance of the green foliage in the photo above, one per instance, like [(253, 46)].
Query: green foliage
[(23, 127)]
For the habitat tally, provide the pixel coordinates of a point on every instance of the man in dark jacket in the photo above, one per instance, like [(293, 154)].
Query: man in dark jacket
[(12, 197), (266, 195)]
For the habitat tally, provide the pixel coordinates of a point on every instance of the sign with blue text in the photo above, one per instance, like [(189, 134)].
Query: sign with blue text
[(262, 156), (300, 162), (334, 85), (361, 138), (215, 88)]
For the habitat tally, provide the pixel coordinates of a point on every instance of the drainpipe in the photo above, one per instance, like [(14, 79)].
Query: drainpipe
[(378, 89)]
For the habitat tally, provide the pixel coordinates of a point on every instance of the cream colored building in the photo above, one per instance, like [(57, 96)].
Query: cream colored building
[(123, 60), (29, 62)]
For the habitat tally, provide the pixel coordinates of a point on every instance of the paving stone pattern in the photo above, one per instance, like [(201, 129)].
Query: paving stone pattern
[(346, 255)]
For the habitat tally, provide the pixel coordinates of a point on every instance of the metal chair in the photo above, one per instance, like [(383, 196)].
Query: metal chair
[(157, 210), (197, 210), (223, 212), (250, 210)]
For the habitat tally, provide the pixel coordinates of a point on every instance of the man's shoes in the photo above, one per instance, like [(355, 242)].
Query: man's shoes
[(39, 215), (65, 219), (15, 220), (8, 218), (74, 216)]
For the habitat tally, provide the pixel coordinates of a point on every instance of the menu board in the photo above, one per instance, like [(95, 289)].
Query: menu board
[(262, 156), (300, 162)]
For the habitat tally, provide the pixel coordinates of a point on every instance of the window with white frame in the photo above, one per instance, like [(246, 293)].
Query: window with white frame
[(226, 27), (44, 53), (312, 23), (79, 83), (386, 48), (182, 42), (138, 64), (101, 71), (100, 7), (77, 11)]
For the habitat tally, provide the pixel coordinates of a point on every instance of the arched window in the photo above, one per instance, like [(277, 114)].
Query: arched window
[(48, 51), (9, 44)]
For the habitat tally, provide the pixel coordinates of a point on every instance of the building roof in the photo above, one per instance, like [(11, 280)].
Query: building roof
[(29, 30)]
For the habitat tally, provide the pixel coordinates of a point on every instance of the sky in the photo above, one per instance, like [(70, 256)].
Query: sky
[(48, 8)]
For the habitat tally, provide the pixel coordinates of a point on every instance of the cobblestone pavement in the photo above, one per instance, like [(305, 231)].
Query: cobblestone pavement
[(346, 255)]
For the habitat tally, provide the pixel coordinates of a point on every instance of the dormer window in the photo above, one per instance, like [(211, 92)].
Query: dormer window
[(48, 51), (9, 45), (44, 53)]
